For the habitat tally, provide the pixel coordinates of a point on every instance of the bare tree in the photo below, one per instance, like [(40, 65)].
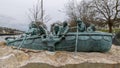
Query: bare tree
[(85, 12), (37, 13), (71, 10), (107, 10), (81, 10)]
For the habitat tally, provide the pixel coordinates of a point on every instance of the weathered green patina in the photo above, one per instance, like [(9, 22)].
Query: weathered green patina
[(83, 40)]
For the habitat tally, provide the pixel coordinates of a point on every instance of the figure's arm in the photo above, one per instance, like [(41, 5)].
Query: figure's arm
[(66, 30), (59, 31)]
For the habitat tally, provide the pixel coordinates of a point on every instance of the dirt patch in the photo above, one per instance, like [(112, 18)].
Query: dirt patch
[(13, 58)]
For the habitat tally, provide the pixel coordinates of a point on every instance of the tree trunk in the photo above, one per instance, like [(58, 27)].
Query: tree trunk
[(110, 27)]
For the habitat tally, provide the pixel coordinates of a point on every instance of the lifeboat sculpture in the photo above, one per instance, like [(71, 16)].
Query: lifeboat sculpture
[(62, 39)]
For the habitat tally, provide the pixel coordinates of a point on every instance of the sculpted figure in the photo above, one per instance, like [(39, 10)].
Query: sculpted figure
[(56, 30), (36, 30), (64, 28), (81, 26), (42, 30), (91, 28), (32, 29)]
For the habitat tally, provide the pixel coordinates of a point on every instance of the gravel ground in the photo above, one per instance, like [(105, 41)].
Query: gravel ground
[(13, 58)]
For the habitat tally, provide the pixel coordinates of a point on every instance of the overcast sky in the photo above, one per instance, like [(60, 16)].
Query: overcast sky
[(14, 13)]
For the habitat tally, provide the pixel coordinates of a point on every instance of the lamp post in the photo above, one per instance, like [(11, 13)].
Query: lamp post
[(76, 45), (42, 10)]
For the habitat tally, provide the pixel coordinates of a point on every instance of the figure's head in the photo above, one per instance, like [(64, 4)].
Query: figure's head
[(65, 23), (55, 24), (32, 25), (78, 21), (92, 25), (40, 26)]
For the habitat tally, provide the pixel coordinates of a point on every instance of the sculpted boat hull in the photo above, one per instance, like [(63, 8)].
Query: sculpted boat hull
[(87, 42), (63, 38)]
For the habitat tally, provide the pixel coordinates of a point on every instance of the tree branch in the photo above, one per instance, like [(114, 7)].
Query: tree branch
[(100, 10)]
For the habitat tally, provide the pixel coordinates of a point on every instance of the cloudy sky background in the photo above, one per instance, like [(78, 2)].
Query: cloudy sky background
[(14, 13)]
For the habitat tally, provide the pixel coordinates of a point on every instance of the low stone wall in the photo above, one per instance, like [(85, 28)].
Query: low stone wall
[(82, 65)]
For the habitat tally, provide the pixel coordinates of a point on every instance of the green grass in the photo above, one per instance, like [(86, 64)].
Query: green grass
[(114, 30)]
